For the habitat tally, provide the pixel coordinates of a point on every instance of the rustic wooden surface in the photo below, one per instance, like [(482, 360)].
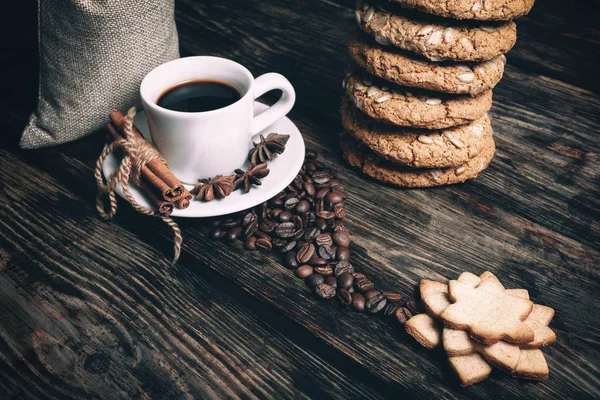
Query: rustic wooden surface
[(90, 309)]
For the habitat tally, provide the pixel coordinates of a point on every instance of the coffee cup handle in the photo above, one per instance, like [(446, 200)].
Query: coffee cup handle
[(263, 84)]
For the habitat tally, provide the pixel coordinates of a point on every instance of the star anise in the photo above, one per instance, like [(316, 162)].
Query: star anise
[(216, 188), (245, 179), (268, 149)]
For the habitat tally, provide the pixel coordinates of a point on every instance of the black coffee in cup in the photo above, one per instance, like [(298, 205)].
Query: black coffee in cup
[(198, 96)]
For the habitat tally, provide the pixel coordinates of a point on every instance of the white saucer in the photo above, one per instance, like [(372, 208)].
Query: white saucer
[(283, 171)]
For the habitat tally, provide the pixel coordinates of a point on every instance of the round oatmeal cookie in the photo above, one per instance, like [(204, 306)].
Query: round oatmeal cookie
[(398, 66), (417, 148), (482, 10), (362, 158), (414, 108), (435, 38)]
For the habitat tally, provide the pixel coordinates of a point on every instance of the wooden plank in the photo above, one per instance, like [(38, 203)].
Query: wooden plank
[(88, 310)]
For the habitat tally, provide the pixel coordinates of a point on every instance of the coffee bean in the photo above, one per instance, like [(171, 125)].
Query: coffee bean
[(310, 166), (285, 230), (251, 228), (333, 198), (234, 233), (285, 216), (321, 224), (249, 218), (298, 234), (331, 281), (317, 261), (262, 211), (289, 260), (403, 314), (339, 226), (263, 235), (314, 279), (291, 202), (341, 239), (267, 226), (324, 239), (278, 243), (362, 283), (326, 215), (413, 306), (325, 291), (322, 193), (344, 266), (299, 244), (298, 181), (358, 302), (325, 270), (263, 245), (291, 245), (217, 234), (311, 155), (309, 188), (390, 309), (303, 206), (345, 280), (392, 297), (230, 223), (375, 301), (342, 254), (344, 296), (309, 218), (305, 253), (340, 211), (311, 234), (298, 222), (250, 243), (303, 271), (279, 199), (275, 213)]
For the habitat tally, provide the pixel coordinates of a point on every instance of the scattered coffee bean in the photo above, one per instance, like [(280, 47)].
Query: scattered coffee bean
[(314, 279), (291, 245), (321, 177), (267, 226), (344, 266), (285, 230), (333, 198), (234, 233), (322, 193), (250, 243), (413, 306), (342, 254), (374, 301), (324, 239), (317, 261), (291, 202), (249, 218), (390, 309), (340, 211), (263, 245), (250, 228), (289, 260), (403, 314), (331, 281), (341, 239), (326, 252), (345, 280), (345, 296), (311, 234), (358, 302), (338, 225), (299, 244), (392, 297), (276, 212), (306, 253), (285, 216), (303, 206), (362, 283), (304, 271), (325, 291), (218, 234), (321, 224), (230, 223), (263, 235), (324, 270), (326, 215), (309, 188), (311, 155)]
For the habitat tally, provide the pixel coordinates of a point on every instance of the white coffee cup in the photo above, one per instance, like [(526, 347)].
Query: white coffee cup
[(205, 144)]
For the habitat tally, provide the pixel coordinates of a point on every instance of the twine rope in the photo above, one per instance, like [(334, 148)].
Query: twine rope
[(136, 154)]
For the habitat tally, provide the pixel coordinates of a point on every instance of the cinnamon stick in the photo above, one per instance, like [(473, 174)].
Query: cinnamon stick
[(172, 190), (164, 207), (184, 202)]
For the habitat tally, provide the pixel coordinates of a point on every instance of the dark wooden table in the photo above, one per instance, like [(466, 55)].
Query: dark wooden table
[(90, 309)]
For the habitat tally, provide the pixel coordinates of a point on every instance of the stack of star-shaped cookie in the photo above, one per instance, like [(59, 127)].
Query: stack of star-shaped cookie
[(417, 100), (481, 324)]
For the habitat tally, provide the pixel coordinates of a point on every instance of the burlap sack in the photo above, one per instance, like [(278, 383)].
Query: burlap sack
[(93, 56)]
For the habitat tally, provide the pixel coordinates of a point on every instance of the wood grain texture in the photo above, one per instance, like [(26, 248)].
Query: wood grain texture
[(532, 219)]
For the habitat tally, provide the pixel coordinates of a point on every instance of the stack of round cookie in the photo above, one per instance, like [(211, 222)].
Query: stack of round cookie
[(417, 103)]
